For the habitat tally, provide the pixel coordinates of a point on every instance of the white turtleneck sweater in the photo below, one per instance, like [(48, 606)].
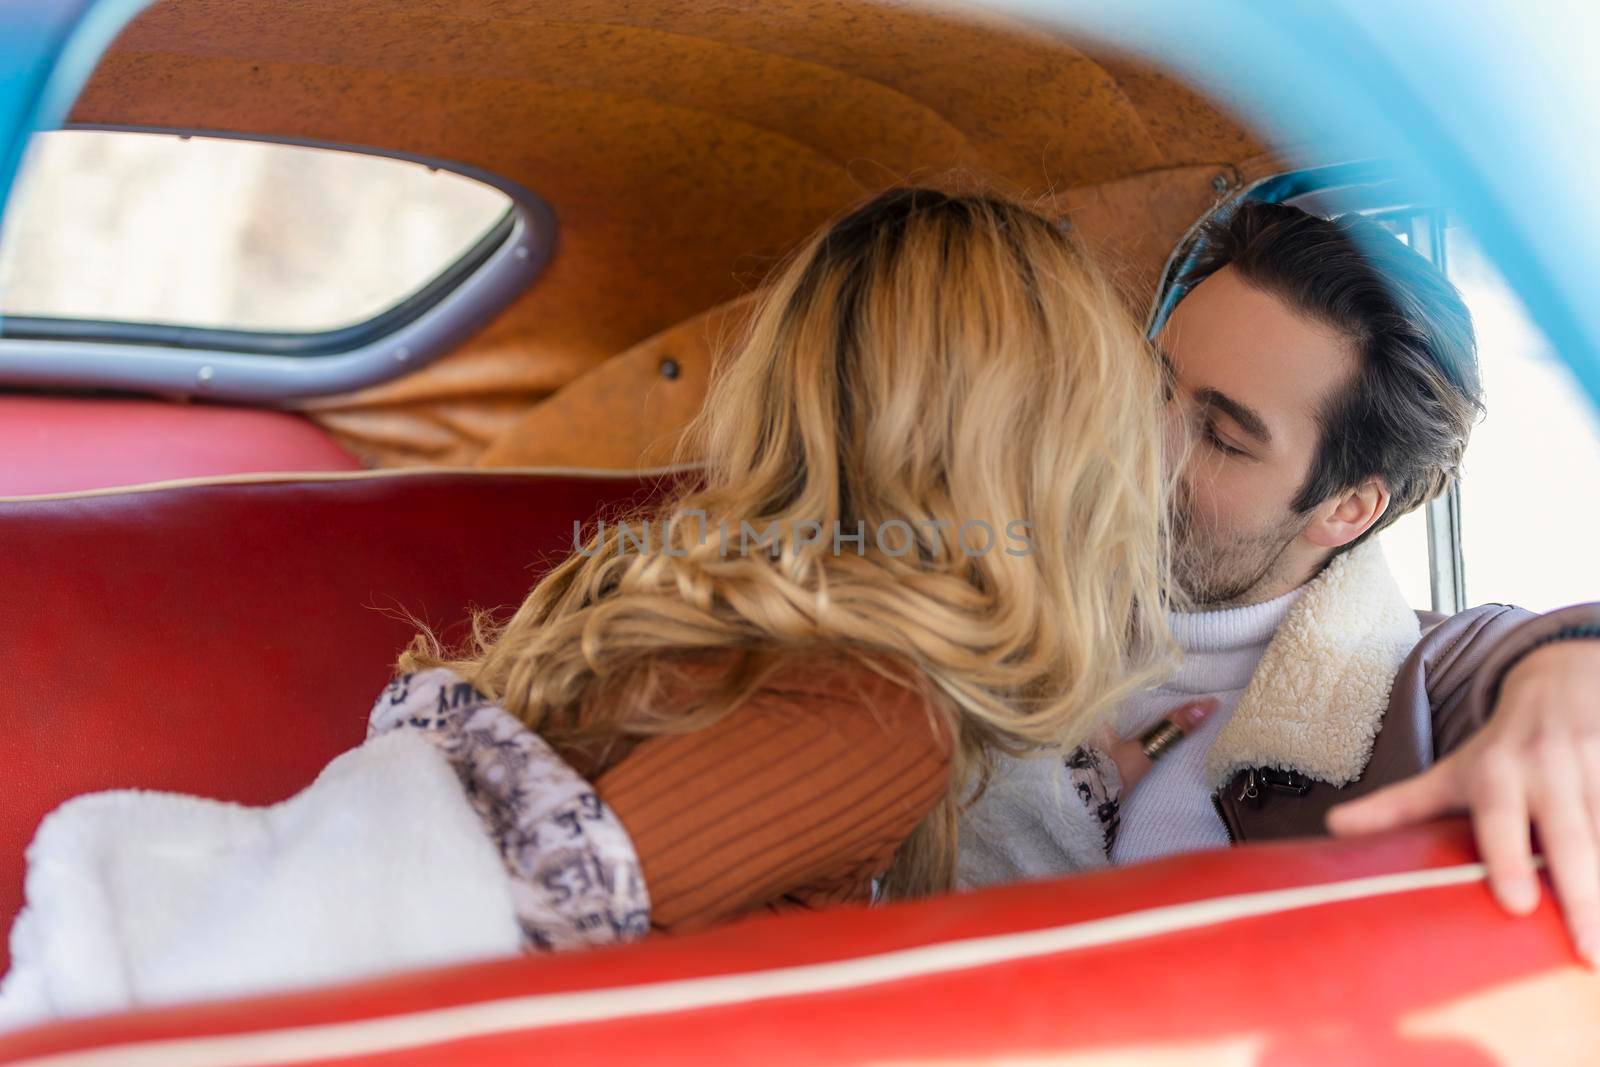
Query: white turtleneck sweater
[(1030, 822), (1170, 810)]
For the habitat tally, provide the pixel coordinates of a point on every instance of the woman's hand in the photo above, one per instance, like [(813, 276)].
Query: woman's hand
[(1133, 755), (1103, 770)]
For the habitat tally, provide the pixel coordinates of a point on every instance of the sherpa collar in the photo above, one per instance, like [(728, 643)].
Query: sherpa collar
[(1316, 700)]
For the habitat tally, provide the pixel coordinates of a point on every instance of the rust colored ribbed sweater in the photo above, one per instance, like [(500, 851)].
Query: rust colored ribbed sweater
[(798, 798)]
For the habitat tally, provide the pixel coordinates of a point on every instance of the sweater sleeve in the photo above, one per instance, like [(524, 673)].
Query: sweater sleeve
[(804, 786), (1042, 816)]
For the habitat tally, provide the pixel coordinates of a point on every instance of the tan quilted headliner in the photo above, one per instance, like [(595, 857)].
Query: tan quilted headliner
[(683, 145)]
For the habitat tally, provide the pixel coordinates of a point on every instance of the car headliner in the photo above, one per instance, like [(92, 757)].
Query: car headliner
[(685, 147)]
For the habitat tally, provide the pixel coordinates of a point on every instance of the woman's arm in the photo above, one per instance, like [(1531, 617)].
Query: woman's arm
[(799, 796)]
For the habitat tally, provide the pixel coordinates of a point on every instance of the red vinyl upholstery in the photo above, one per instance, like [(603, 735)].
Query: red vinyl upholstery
[(228, 639), (1423, 969), (57, 444)]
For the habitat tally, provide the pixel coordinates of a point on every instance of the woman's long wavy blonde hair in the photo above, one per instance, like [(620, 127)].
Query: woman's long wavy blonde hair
[(929, 358)]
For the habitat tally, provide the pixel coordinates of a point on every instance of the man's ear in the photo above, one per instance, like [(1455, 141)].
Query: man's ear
[(1342, 518)]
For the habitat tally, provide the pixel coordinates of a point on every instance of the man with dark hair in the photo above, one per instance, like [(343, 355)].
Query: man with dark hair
[(1323, 382), (1367, 342)]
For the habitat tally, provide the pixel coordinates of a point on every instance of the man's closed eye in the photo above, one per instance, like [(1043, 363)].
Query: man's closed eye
[(1215, 440)]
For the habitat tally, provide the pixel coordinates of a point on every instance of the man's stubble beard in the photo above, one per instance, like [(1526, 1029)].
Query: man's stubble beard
[(1234, 569)]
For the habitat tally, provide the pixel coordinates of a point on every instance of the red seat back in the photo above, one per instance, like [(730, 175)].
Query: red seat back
[(66, 444), (227, 639)]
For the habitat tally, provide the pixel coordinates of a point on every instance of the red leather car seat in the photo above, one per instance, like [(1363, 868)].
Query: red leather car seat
[(228, 638), (1317, 954), (64, 444)]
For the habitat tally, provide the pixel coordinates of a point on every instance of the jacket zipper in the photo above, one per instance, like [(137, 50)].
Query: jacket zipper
[(1251, 789), (1216, 802)]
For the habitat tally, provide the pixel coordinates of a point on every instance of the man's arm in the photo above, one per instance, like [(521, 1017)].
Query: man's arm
[(1516, 721), (1449, 659)]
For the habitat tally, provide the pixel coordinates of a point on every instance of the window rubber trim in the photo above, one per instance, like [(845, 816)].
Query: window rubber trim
[(265, 366)]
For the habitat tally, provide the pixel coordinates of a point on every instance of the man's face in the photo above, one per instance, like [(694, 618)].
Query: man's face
[(1250, 377)]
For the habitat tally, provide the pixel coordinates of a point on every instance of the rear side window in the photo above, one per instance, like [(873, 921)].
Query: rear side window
[(1528, 507), (243, 268), (1518, 527), (1523, 525), (218, 234)]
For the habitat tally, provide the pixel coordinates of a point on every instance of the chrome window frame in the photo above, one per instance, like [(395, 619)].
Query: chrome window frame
[(266, 367)]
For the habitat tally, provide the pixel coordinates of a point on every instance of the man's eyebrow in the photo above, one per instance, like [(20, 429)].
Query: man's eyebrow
[(1250, 422)]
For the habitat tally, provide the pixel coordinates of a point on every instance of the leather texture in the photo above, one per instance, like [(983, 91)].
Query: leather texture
[(61, 444), (644, 407), (1442, 695), (1435, 975), (227, 639), (685, 148), (644, 397)]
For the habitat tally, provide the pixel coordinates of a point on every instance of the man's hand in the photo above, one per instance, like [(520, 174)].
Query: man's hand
[(1538, 760)]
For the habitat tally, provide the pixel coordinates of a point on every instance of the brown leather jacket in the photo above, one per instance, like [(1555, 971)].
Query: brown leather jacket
[(1443, 693)]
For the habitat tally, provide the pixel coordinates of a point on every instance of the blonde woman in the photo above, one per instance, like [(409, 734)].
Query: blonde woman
[(929, 528), (948, 431)]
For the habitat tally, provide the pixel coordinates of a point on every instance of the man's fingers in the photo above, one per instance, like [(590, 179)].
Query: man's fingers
[(1589, 768), (1129, 754), (1560, 810), (1500, 824), (1415, 800)]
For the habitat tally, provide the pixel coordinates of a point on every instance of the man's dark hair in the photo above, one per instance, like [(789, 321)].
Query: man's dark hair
[(1408, 411)]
